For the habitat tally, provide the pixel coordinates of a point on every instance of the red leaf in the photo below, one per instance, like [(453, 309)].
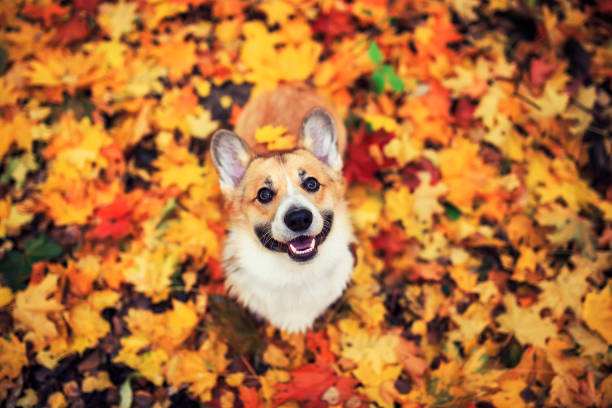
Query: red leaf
[(46, 13), (89, 6), (540, 71), (74, 30), (360, 165), (319, 344), (310, 383), (115, 220), (392, 242), (410, 173), (464, 112), (333, 24), (249, 397)]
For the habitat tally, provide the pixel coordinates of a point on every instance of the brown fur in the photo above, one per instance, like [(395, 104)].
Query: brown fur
[(287, 106)]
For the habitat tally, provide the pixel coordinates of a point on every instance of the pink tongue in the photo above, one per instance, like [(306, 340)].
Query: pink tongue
[(302, 243)]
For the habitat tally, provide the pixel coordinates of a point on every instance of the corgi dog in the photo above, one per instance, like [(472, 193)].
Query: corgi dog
[(287, 256)]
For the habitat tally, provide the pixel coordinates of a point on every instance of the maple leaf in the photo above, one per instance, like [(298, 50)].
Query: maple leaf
[(565, 291), (75, 29), (526, 323), (333, 24), (89, 6), (33, 305), (12, 357), (275, 137), (117, 19), (310, 382), (597, 312), (87, 325), (249, 397), (199, 369), (375, 355), (151, 272), (178, 56), (360, 165), (426, 197), (114, 219), (46, 13), (278, 11), (568, 227)]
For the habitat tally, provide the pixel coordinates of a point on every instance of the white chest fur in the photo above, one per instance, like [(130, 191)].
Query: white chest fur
[(290, 295)]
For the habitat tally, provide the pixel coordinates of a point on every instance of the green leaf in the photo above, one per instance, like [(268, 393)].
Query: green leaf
[(15, 270), (397, 84), (374, 53), (125, 394), (452, 212), (378, 82), (40, 249), (386, 70)]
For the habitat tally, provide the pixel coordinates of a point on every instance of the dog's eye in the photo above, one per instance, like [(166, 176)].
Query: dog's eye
[(265, 195), (311, 184)]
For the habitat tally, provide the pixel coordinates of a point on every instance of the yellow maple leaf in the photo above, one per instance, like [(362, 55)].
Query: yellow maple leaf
[(199, 369), (565, 291), (151, 271), (554, 99), (366, 207), (87, 325), (381, 122), (402, 148), (12, 357), (33, 305), (201, 125), (597, 312), (275, 137), (278, 11), (144, 79), (178, 56), (425, 198), (275, 357), (470, 323), (150, 364), (375, 356), (117, 19), (568, 226), (526, 323)]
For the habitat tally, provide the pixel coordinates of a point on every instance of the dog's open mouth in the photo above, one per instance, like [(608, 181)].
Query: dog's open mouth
[(300, 249)]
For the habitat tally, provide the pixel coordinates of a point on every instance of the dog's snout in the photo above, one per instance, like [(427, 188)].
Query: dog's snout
[(298, 219)]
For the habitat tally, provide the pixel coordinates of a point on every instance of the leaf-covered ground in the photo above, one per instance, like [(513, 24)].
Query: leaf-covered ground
[(479, 179)]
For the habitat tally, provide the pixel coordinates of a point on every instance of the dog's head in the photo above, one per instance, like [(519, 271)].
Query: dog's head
[(287, 199)]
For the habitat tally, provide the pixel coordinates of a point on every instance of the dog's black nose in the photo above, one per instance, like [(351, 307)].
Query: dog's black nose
[(298, 220)]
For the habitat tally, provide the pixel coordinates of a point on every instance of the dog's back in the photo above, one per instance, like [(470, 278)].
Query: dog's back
[(285, 106)]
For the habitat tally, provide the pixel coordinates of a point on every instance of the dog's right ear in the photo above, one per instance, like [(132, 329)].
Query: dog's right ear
[(231, 156)]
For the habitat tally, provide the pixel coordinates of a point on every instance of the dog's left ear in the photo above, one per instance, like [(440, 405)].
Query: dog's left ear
[(319, 134)]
